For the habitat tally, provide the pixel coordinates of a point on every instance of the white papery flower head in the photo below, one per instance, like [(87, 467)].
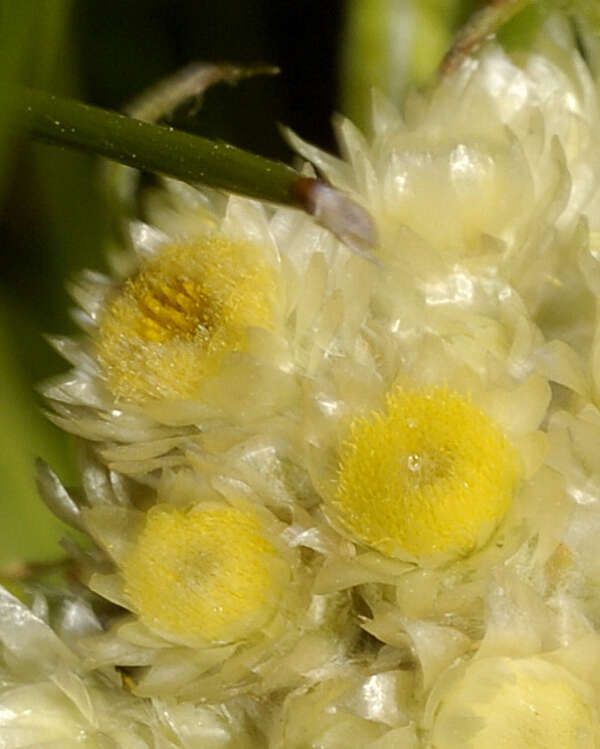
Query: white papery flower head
[(219, 309), (533, 682), (524, 703), (478, 188), (220, 599), (49, 697), (46, 697), (430, 472)]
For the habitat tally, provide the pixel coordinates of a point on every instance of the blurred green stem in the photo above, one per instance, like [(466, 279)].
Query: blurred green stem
[(190, 158), (155, 148)]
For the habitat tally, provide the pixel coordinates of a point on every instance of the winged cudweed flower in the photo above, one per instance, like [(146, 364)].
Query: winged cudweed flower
[(205, 573), (352, 501), (390, 460), (212, 323)]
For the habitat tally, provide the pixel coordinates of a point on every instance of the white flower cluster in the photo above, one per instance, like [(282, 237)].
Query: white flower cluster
[(338, 503)]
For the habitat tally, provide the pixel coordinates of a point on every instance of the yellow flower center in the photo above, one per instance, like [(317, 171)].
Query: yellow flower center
[(177, 308), (168, 327), (431, 477), (204, 575), (522, 704)]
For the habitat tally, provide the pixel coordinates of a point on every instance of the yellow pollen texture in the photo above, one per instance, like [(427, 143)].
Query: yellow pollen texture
[(521, 705), (204, 575), (168, 327), (427, 480)]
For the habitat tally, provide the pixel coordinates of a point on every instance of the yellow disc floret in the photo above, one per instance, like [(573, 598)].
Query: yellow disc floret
[(521, 704), (169, 326), (209, 574), (427, 480)]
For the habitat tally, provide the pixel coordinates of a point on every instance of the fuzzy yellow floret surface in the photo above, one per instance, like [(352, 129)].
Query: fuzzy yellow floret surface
[(431, 475), (522, 704), (203, 575), (168, 328)]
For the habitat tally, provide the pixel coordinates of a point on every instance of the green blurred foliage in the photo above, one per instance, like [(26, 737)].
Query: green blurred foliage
[(45, 235), (27, 528)]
